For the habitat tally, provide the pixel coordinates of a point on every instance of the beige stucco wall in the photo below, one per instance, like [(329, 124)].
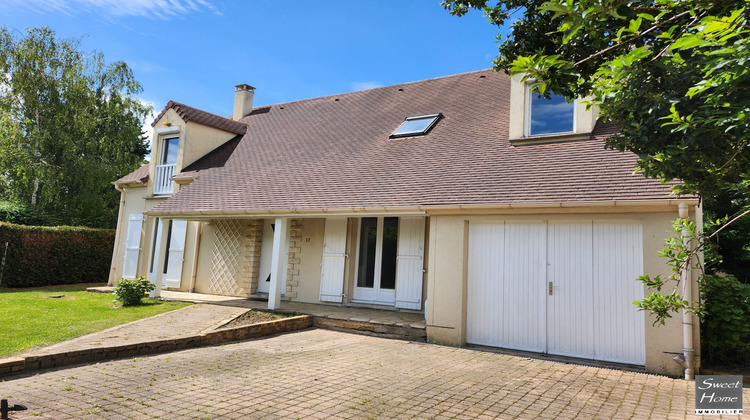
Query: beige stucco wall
[(447, 274), (208, 236), (174, 123), (310, 256), (196, 140), (138, 200), (199, 140), (134, 203)]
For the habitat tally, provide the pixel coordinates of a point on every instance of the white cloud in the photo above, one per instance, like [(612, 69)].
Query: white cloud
[(160, 9), (365, 85), (146, 127)]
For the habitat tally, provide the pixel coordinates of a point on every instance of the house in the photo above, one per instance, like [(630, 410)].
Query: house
[(499, 215)]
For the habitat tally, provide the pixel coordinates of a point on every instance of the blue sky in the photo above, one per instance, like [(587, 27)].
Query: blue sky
[(195, 51)]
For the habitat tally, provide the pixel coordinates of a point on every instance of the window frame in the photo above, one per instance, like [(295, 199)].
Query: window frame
[(435, 118), (527, 114), (165, 149)]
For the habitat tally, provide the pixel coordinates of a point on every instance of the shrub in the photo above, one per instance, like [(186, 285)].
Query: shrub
[(131, 291), (43, 256), (26, 215), (725, 327)]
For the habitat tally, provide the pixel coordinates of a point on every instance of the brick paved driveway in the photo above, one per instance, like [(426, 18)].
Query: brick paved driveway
[(326, 374)]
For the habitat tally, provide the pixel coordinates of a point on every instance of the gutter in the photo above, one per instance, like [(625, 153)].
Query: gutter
[(687, 294), (416, 210), (116, 248)]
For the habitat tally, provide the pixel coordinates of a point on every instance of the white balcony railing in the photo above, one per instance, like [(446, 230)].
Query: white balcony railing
[(162, 183)]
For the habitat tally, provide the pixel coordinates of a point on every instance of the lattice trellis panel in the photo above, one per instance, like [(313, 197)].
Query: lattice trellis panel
[(226, 257)]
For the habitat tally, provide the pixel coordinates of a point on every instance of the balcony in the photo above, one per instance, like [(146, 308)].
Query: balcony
[(162, 183)]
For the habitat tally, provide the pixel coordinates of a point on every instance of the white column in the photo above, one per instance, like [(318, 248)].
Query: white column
[(278, 262)]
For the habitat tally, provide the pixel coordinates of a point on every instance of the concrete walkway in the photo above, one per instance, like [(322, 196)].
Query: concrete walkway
[(209, 313), (183, 322)]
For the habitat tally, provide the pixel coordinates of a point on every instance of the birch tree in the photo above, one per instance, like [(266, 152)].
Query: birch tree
[(69, 125)]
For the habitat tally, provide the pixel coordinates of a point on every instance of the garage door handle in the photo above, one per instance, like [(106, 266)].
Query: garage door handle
[(550, 288)]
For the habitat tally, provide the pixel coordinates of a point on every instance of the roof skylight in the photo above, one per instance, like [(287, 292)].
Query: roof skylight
[(416, 126)]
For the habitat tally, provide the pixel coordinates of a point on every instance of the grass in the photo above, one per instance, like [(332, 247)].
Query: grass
[(31, 317)]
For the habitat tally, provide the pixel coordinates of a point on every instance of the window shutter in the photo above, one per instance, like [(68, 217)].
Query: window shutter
[(132, 246), (334, 259), (410, 263), (176, 252)]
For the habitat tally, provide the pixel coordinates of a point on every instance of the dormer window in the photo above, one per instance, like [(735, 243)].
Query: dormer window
[(549, 116), (166, 167), (416, 126), (169, 151)]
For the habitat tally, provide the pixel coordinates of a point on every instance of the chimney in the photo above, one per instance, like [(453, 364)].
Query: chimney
[(243, 101)]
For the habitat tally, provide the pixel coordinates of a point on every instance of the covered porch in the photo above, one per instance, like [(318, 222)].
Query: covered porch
[(371, 261)]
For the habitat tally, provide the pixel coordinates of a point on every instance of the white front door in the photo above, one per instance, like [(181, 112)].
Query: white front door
[(375, 281)]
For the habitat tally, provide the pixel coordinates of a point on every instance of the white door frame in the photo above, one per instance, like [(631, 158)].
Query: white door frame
[(373, 294)]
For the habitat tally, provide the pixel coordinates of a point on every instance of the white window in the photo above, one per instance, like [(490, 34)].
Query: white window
[(166, 165), (416, 126), (549, 116), (169, 151)]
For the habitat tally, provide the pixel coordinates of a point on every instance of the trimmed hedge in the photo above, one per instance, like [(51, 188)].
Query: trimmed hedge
[(725, 328), (43, 256)]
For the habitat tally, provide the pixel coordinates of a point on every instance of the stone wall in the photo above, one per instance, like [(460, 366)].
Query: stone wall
[(292, 274), (251, 258)]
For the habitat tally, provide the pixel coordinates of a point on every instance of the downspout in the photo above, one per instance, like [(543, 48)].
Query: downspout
[(116, 249), (197, 248), (687, 294)]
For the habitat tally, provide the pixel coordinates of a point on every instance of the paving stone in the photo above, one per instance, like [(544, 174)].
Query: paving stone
[(321, 373)]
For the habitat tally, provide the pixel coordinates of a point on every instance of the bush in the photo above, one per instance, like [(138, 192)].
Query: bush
[(43, 256), (725, 328), (25, 215), (131, 291)]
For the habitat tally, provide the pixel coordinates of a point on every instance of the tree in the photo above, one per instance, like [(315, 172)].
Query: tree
[(674, 74), (69, 125)]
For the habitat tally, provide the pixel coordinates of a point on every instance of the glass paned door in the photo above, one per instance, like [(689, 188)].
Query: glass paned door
[(376, 267)]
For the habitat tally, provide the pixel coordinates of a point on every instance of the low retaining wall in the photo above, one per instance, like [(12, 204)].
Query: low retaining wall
[(377, 329), (16, 365)]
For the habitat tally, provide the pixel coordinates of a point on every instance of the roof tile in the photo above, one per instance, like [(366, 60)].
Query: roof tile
[(188, 113), (324, 153)]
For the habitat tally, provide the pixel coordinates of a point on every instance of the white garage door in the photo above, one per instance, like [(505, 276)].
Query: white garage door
[(560, 288)]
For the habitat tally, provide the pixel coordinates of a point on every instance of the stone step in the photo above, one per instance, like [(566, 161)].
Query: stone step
[(385, 329)]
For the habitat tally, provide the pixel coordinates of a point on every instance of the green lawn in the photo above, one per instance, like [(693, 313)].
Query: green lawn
[(31, 317)]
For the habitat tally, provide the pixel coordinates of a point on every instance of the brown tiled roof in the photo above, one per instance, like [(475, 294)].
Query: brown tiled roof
[(334, 153), (139, 175), (188, 113)]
